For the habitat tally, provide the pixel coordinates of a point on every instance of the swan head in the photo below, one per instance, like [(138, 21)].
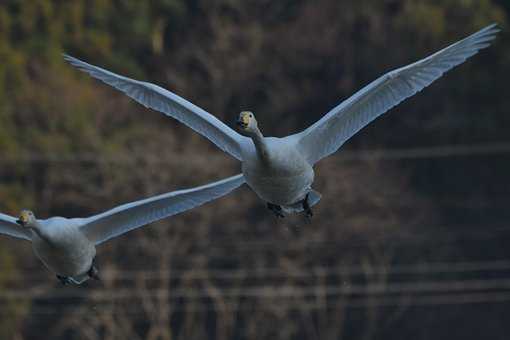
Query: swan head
[(247, 121), (26, 219)]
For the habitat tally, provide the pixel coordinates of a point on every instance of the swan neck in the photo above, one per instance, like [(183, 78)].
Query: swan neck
[(39, 231), (260, 145)]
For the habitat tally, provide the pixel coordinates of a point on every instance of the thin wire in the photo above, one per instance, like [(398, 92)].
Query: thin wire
[(317, 271), (440, 151), (443, 237), (271, 291), (432, 300)]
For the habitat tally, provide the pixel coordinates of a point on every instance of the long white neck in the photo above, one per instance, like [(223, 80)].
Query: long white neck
[(260, 144), (36, 228)]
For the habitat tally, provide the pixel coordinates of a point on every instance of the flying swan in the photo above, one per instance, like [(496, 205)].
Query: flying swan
[(67, 246), (280, 170)]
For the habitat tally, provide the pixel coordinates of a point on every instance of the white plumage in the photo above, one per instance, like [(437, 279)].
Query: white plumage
[(67, 246), (280, 170)]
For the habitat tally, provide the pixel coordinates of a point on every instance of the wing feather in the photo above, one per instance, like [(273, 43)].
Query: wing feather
[(329, 133), (124, 218), (8, 226), (159, 99)]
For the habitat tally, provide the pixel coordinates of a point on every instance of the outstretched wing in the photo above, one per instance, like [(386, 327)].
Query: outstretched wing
[(157, 98), (8, 226), (342, 122), (124, 218)]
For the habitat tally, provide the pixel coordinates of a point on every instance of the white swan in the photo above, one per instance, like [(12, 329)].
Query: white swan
[(280, 170), (67, 246)]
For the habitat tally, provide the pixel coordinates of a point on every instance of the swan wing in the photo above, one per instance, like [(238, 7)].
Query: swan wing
[(329, 133), (124, 218), (8, 226), (159, 99)]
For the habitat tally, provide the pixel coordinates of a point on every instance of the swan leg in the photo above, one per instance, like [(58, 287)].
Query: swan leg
[(306, 207), (64, 280), (276, 209), (93, 271)]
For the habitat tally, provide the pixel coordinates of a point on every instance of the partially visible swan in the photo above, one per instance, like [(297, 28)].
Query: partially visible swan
[(280, 170), (67, 246)]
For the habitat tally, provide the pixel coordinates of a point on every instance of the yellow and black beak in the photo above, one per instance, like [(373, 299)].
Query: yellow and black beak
[(23, 218), (243, 121)]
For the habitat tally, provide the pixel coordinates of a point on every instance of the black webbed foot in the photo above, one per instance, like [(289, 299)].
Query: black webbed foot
[(64, 280), (306, 207), (93, 272), (276, 209)]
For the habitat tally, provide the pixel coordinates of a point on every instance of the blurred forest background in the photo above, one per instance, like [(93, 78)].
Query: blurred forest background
[(410, 240)]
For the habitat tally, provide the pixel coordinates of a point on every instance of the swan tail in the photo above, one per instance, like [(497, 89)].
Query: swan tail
[(78, 280), (313, 198)]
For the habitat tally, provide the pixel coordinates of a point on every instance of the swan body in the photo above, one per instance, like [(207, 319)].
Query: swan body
[(67, 246), (280, 170), (65, 249), (283, 178)]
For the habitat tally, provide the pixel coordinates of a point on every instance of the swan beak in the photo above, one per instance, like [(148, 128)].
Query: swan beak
[(243, 121), (23, 219), (241, 124)]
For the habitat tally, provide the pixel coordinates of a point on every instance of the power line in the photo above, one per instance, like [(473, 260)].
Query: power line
[(440, 151), (285, 291), (407, 301), (313, 272), (267, 272), (442, 237)]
